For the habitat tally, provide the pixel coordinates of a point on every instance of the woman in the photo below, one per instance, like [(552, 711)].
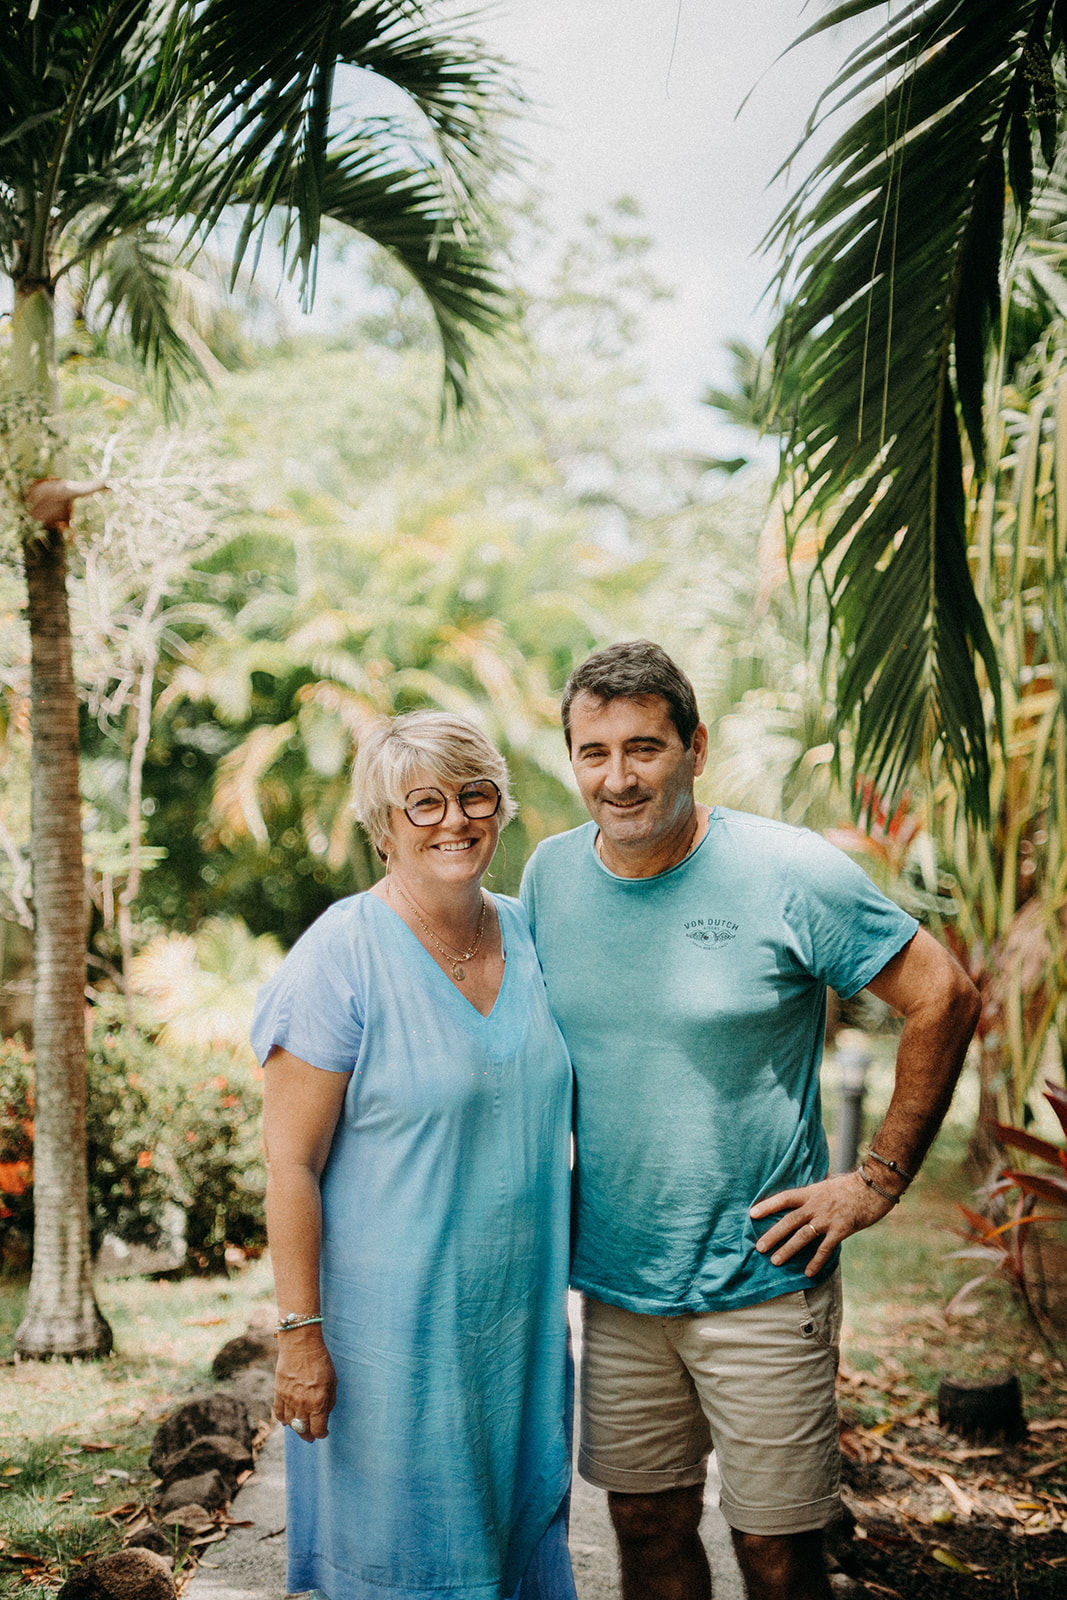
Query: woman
[(417, 1122)]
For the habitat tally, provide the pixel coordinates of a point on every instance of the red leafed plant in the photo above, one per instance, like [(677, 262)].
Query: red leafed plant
[(1044, 1186), (1001, 1245)]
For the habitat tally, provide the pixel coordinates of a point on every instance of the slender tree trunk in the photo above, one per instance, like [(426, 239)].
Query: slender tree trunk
[(984, 1154), (62, 1317)]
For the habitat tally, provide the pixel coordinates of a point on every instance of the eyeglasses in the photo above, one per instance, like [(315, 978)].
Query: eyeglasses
[(427, 807)]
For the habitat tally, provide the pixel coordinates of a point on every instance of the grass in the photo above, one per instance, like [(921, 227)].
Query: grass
[(76, 1435)]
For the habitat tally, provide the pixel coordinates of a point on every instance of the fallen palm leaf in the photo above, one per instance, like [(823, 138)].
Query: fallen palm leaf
[(955, 1563), (859, 1447), (918, 1469), (963, 1502)]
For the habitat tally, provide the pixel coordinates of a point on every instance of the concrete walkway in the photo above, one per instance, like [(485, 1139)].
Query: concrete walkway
[(250, 1563)]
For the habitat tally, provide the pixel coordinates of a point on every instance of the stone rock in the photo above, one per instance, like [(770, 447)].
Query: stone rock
[(256, 1347), (213, 1452), (214, 1413), (209, 1490), (255, 1386), (190, 1519), (158, 1539), (126, 1575)]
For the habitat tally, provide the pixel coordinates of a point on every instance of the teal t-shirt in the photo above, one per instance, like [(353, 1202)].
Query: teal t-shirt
[(693, 1005)]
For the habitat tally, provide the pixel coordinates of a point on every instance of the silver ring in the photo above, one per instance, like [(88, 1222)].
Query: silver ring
[(298, 1425)]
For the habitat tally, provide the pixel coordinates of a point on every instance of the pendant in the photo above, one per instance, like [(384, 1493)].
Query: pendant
[(458, 972)]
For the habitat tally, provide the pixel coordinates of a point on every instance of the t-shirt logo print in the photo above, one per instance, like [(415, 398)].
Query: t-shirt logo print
[(711, 931)]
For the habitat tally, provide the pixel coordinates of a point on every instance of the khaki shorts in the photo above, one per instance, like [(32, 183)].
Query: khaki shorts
[(756, 1385)]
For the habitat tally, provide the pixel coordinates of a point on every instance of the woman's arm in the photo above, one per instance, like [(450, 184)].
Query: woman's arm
[(301, 1105)]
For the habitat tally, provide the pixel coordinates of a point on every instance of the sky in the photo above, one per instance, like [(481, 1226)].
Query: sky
[(643, 98)]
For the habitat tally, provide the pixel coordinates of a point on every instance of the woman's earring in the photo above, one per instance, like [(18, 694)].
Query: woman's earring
[(500, 845)]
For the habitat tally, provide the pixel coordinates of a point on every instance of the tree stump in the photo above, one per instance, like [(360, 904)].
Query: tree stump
[(985, 1409)]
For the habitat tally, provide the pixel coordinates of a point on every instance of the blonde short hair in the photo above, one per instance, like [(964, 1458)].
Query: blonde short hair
[(393, 751)]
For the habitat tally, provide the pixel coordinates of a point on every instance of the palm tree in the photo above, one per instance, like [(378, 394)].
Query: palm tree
[(893, 254), (121, 119)]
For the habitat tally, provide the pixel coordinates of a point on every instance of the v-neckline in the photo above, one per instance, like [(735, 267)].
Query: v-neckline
[(445, 979)]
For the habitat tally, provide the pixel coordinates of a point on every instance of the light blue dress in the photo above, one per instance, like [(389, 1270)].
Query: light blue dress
[(444, 1269)]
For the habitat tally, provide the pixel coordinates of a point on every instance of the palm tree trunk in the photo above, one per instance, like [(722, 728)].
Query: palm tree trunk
[(62, 1317)]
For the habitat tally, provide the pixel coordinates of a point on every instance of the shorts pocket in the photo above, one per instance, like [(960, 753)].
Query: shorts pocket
[(821, 1312)]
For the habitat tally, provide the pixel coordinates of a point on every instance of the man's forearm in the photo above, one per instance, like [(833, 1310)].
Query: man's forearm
[(941, 1008)]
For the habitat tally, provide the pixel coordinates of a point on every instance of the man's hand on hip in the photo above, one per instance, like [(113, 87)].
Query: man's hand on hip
[(832, 1210)]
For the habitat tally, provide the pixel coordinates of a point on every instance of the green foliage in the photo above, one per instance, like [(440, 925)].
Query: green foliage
[(720, 599), (161, 1132), (375, 565), (891, 288), (1010, 878)]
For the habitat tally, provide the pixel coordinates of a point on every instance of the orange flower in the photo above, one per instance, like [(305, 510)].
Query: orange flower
[(15, 1177), (144, 1158)]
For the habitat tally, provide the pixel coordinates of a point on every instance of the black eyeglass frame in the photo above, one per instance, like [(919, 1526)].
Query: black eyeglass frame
[(433, 822)]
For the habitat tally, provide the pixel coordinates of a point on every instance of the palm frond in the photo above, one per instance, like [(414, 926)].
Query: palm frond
[(139, 290), (890, 293), (410, 214), (272, 122), (127, 117)]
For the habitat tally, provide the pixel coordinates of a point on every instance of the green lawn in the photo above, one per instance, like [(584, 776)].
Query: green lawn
[(76, 1435)]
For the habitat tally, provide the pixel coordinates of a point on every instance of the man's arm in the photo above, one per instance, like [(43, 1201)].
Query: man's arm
[(940, 1007)]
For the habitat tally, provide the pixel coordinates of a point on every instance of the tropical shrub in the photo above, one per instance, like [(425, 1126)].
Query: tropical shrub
[(16, 1151), (1001, 1245), (161, 1131)]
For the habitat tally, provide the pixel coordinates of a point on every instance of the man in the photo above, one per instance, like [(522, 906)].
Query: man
[(687, 954)]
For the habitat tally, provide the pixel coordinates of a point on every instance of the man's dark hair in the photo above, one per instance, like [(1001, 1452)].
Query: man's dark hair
[(627, 671)]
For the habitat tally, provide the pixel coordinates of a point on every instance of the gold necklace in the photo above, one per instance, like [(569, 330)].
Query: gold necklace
[(458, 972)]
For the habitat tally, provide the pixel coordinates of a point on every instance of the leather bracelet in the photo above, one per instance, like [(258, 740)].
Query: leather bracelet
[(894, 1199), (872, 1155)]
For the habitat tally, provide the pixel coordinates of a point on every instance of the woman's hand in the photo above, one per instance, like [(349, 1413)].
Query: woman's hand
[(305, 1385)]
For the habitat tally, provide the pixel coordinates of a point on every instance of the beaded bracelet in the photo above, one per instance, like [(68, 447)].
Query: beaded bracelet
[(294, 1320), (894, 1199), (872, 1155)]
